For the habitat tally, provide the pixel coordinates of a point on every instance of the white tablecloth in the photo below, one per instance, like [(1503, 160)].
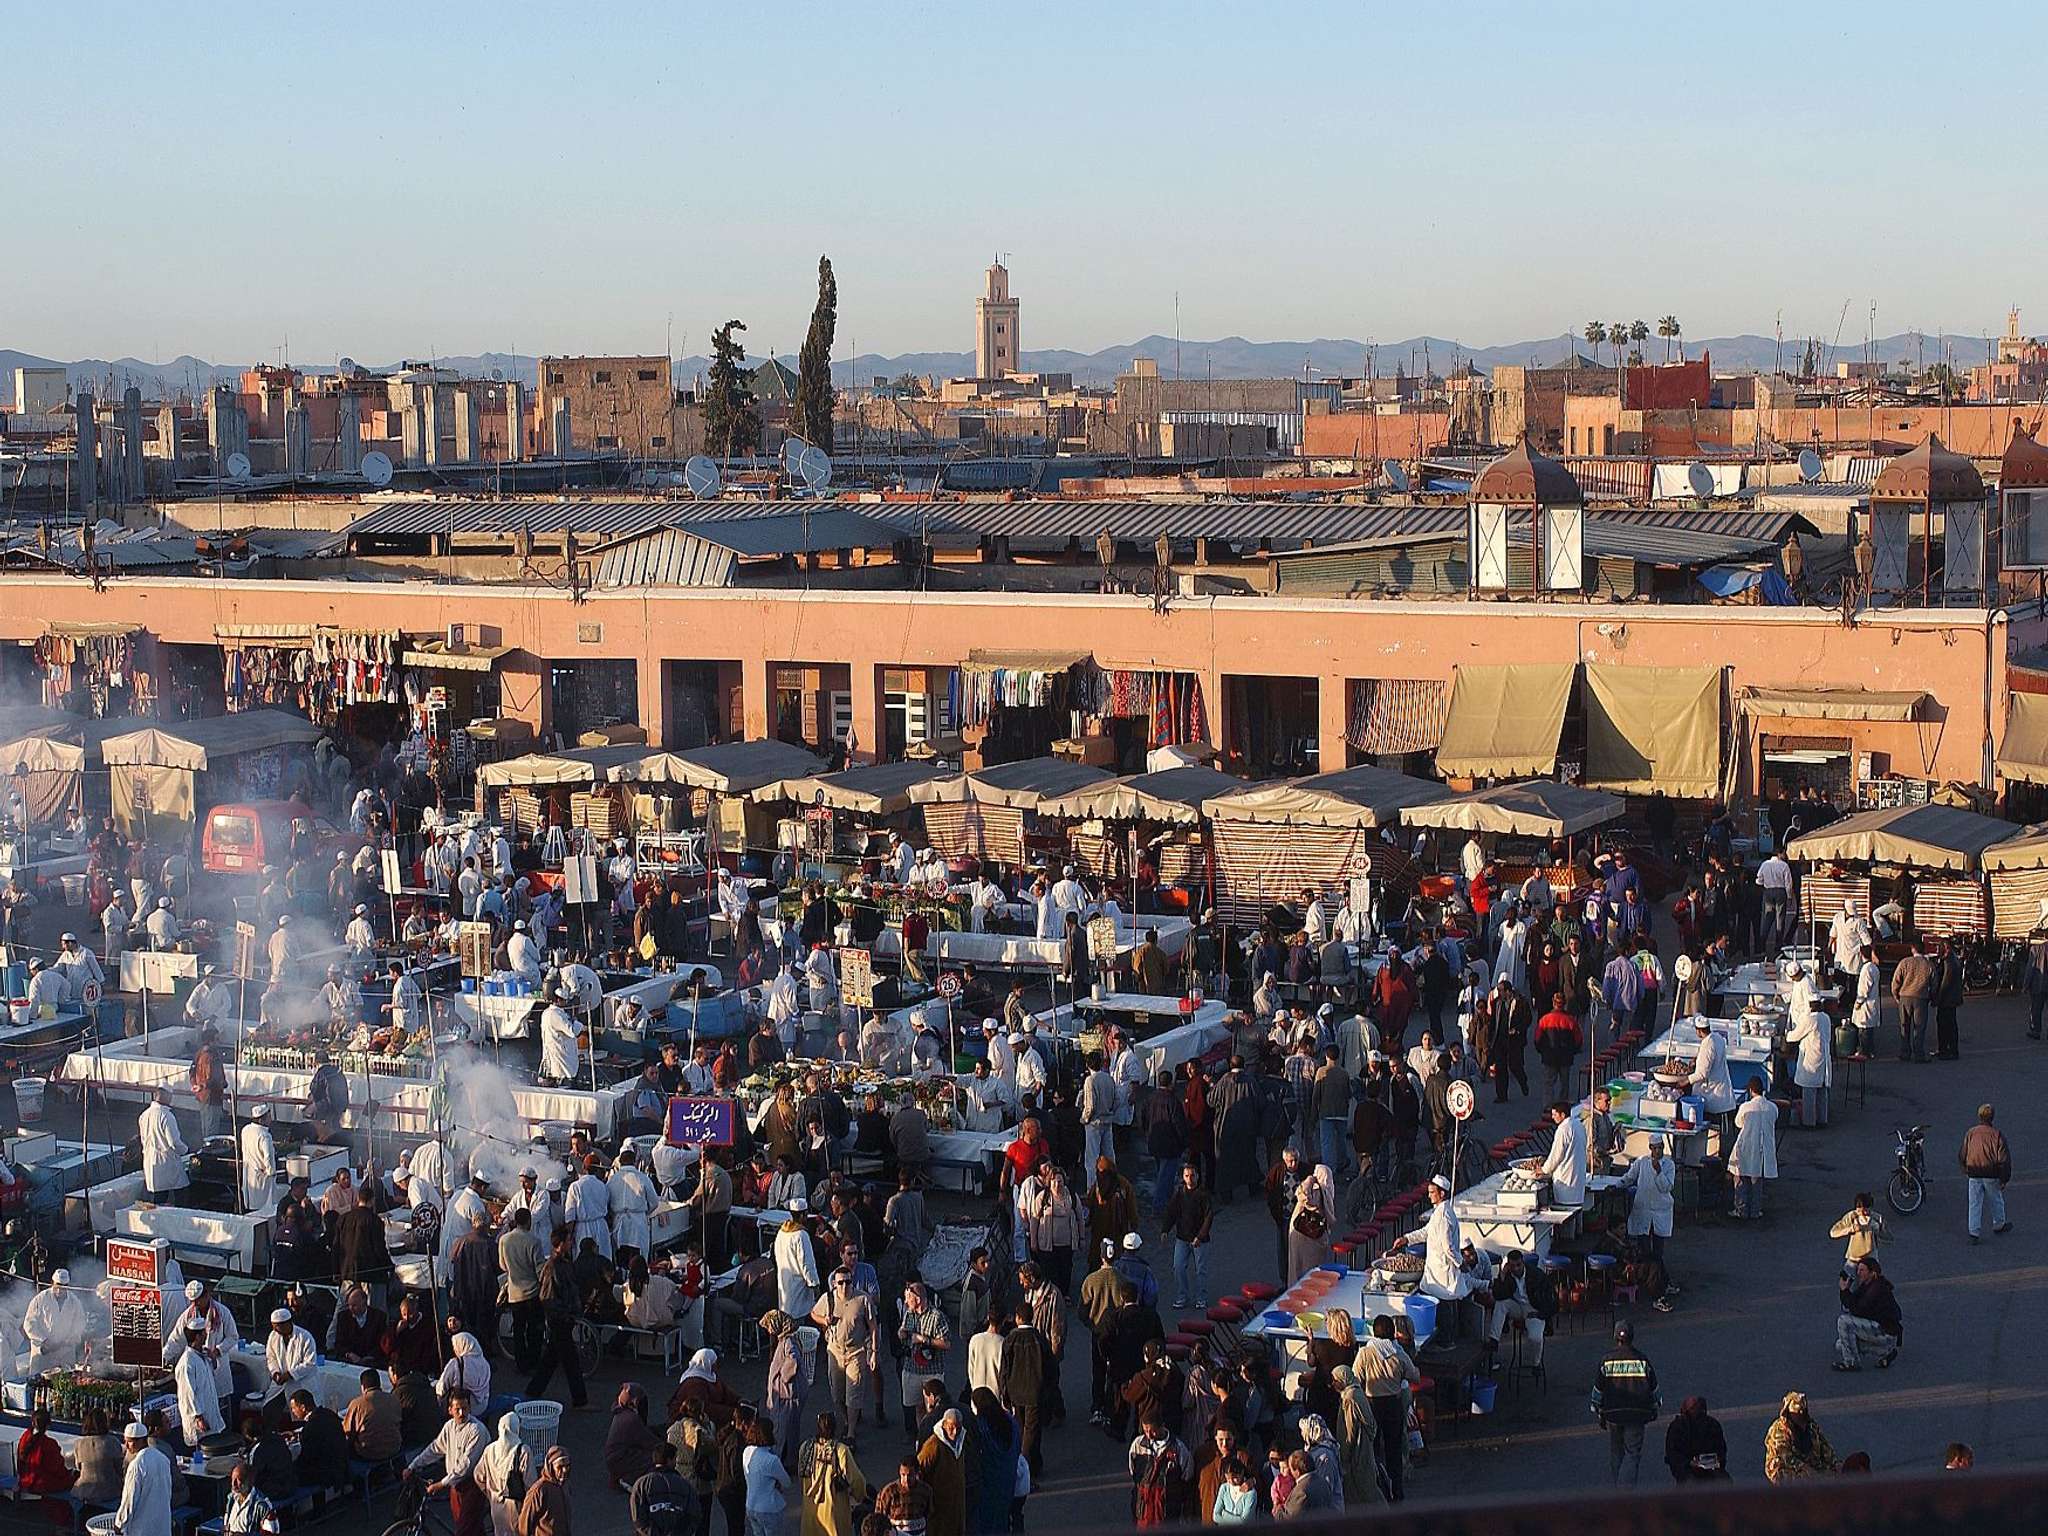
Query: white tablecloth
[(128, 1073), (157, 970), (334, 1383)]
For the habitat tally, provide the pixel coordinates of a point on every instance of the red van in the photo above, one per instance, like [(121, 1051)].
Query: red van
[(241, 839)]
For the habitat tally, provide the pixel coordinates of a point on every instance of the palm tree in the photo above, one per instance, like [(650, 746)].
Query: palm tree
[(1617, 337), (1638, 332), (1595, 333), (1668, 329)]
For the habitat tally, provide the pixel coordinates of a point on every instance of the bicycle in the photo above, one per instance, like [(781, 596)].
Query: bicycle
[(1908, 1185), (428, 1516)]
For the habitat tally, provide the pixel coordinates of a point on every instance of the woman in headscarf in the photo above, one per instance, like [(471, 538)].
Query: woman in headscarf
[(1320, 1446), (944, 1462), (629, 1444), (789, 1381), (1794, 1446), (1359, 1436), (1695, 1449), (466, 1368), (545, 1510), (1200, 1403), (503, 1473), (997, 1442), (700, 1385), (831, 1481), (1311, 1222)]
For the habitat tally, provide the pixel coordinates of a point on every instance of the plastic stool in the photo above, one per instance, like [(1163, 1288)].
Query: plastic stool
[(1559, 1269), (1601, 1265)]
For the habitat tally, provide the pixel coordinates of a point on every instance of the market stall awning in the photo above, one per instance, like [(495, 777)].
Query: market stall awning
[(1653, 728), (879, 789), (2023, 753), (1834, 703), (1023, 786), (2027, 848), (1539, 808), (1023, 661), (41, 754), (624, 733), (1504, 722), (1349, 797), (1171, 795), (438, 654), (1916, 836), (730, 768), (504, 728), (198, 745), (579, 765)]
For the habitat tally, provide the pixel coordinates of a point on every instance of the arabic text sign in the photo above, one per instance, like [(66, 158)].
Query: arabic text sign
[(700, 1122)]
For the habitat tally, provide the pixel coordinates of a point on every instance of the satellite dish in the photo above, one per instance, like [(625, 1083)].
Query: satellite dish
[(701, 476), (814, 467), (1701, 479), (376, 467), (787, 454), (346, 365), (1810, 466), (497, 375), (1397, 474), (238, 466)]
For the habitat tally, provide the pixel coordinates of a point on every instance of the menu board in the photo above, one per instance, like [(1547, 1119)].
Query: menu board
[(1102, 939), (138, 1324), (131, 1261), (856, 978)]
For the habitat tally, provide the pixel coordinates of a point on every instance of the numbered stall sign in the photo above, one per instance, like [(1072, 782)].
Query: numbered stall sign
[(700, 1122), (949, 986), (1458, 1100)]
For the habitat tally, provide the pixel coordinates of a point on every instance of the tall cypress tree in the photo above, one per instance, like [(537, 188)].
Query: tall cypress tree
[(732, 422), (814, 363)]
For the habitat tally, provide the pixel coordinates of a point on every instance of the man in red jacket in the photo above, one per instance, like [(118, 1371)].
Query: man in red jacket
[(1557, 1044)]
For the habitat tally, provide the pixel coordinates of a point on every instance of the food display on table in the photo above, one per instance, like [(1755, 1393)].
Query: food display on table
[(1398, 1271)]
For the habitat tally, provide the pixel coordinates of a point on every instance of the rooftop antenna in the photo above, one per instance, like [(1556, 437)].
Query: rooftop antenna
[(1397, 476), (1176, 333), (1701, 479), (376, 467), (1810, 467)]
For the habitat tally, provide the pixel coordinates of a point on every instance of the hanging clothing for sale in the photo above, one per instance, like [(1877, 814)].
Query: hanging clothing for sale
[(320, 678)]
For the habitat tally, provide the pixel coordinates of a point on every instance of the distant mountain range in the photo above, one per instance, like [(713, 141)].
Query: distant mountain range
[(1233, 357)]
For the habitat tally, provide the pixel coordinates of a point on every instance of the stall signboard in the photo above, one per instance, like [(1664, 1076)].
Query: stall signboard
[(131, 1261), (579, 879), (949, 986), (1102, 939), (818, 830), (473, 944), (700, 1122), (1361, 895), (393, 871), (138, 1324), (245, 950), (857, 978)]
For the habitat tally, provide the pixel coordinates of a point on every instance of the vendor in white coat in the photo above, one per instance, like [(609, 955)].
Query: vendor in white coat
[(1443, 1272), (218, 1335), (1847, 934), (1869, 996), (78, 967), (1565, 1167), (199, 1406), (1710, 1069), (1650, 1181), (522, 955), (289, 1358), (162, 926), (145, 1507), (211, 1000), (46, 988), (259, 1163), (531, 1198), (588, 1210), (467, 1210), (796, 1264), (164, 1153), (784, 1004), (1807, 1032), (360, 935), (631, 1198), (559, 1057), (1755, 1156), (55, 1326)]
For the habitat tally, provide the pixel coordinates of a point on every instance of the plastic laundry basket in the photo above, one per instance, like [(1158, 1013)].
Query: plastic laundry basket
[(540, 1423), (28, 1098)]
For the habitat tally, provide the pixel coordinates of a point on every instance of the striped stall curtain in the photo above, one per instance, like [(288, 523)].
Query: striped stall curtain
[(1099, 853), (1393, 715), (2016, 897), (1260, 863), (1821, 897), (983, 831), (1943, 907)]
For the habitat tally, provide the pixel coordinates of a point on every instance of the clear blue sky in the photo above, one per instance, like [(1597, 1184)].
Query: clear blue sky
[(421, 178)]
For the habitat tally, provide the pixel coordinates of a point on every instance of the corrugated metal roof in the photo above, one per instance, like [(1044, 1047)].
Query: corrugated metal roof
[(668, 557), (1237, 520), (829, 526)]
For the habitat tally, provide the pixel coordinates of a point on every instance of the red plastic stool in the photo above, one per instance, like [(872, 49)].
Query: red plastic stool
[(1260, 1292), (1176, 1351)]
